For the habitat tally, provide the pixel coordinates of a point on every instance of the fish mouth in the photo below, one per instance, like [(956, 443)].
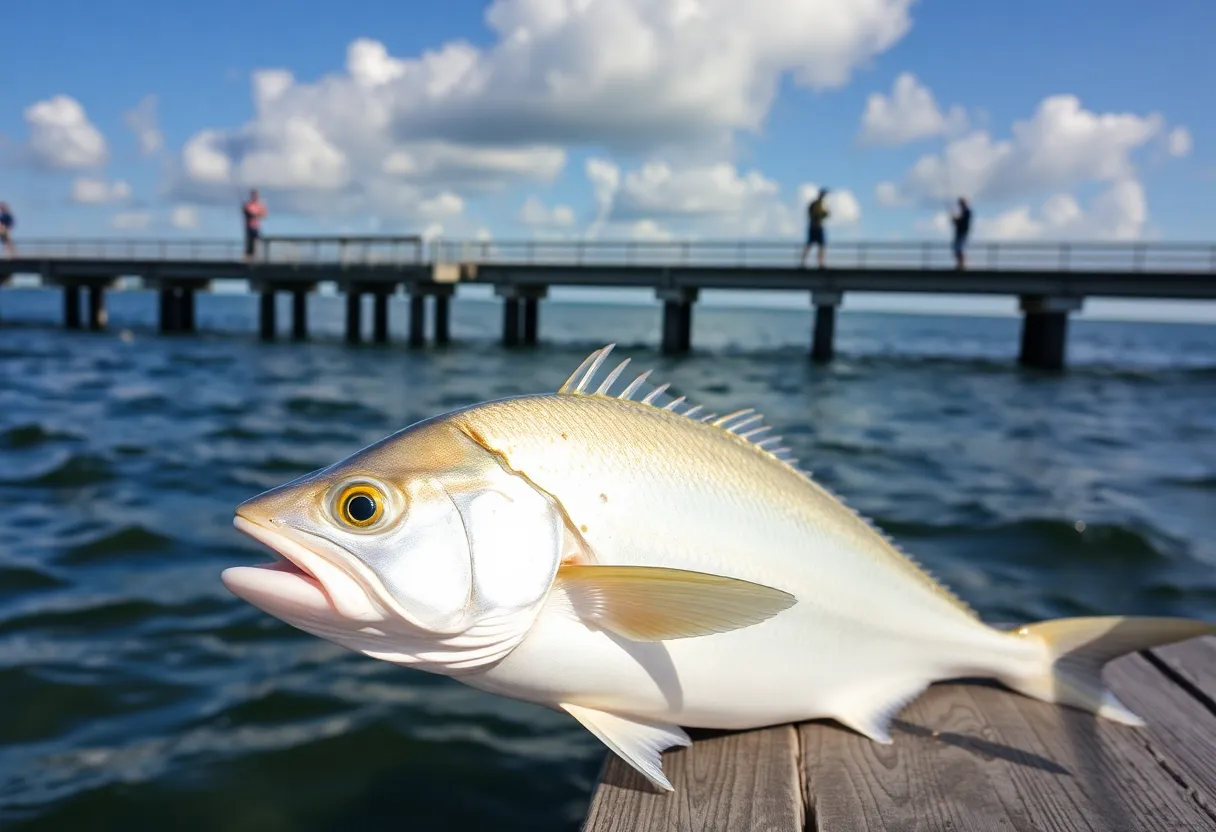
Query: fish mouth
[(301, 580)]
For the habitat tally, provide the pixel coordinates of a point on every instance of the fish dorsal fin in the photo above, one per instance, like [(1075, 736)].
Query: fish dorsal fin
[(746, 424)]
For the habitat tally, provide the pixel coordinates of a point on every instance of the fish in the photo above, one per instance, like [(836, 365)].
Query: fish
[(645, 567)]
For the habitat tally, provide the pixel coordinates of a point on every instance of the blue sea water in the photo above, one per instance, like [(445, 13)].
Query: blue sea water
[(137, 693)]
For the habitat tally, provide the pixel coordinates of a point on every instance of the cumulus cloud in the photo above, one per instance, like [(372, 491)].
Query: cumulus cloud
[(908, 114), (61, 135), (662, 199), (143, 123), (536, 214), (1179, 142), (184, 217), (1119, 212), (619, 75), (98, 191), (1060, 147)]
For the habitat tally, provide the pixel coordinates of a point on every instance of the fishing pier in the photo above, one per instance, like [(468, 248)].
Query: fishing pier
[(964, 757), (1051, 281)]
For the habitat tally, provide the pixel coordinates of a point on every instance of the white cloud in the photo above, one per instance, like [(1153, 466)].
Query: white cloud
[(61, 135), (1118, 213), (661, 200), (98, 191), (632, 75), (535, 213), (1061, 146), (657, 189), (888, 195), (131, 220), (142, 122), (649, 231), (908, 114), (184, 217), (1179, 142)]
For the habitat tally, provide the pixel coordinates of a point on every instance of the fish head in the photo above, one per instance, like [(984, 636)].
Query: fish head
[(423, 548)]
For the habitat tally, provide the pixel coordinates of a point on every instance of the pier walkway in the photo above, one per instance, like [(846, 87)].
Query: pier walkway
[(965, 757), (1051, 280)]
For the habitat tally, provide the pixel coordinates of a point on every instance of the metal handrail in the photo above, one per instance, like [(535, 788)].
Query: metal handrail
[(353, 249)]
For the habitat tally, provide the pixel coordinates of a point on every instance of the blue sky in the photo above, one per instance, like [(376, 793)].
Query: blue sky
[(619, 118)]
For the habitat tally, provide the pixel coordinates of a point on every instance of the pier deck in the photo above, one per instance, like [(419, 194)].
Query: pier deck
[(966, 756), (1051, 281)]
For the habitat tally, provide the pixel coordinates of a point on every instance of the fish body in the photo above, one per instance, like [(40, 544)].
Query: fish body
[(642, 567)]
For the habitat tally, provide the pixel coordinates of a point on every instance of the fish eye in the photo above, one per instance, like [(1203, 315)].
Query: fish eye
[(360, 505)]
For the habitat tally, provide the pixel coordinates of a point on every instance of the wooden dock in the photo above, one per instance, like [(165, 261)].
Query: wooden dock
[(1051, 281), (966, 756)]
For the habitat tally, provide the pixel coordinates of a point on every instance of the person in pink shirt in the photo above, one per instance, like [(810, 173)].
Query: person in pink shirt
[(254, 209)]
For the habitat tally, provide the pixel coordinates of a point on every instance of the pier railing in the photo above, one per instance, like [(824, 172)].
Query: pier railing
[(369, 250), (339, 250), (1044, 256)]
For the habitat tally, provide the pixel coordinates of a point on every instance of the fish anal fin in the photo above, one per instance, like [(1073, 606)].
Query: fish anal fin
[(639, 742), (653, 603), (870, 713)]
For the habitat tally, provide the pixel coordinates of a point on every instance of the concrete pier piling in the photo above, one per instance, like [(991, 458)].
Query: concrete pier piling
[(1045, 330), (521, 313), (823, 337), (677, 318)]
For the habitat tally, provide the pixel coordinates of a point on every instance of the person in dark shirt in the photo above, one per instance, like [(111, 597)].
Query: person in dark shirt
[(6, 229), (962, 227), (817, 212)]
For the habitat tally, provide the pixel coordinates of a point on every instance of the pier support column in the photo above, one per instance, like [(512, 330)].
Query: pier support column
[(299, 314), (677, 318), (520, 311), (185, 307), (1045, 330), (168, 309), (823, 338), (417, 333), (354, 314), (443, 314), (267, 326), (380, 317), (71, 305), (97, 307)]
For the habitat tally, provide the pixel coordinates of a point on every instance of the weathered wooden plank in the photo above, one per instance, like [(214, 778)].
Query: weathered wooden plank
[(1193, 664), (741, 781), (972, 756), (1181, 730)]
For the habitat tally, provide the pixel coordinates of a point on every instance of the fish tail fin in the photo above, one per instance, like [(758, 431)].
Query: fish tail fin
[(1078, 648)]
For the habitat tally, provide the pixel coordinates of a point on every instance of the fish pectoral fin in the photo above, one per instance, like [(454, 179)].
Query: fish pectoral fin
[(871, 713), (654, 603), (640, 743)]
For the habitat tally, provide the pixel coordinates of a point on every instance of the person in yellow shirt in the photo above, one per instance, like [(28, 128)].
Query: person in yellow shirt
[(817, 212)]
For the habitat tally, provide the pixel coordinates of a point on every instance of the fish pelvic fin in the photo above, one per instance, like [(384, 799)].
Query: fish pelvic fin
[(1078, 648), (746, 424), (639, 742)]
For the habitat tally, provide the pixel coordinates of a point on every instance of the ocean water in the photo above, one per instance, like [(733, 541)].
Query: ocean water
[(137, 693)]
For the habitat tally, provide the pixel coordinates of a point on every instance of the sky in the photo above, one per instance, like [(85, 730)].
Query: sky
[(612, 119)]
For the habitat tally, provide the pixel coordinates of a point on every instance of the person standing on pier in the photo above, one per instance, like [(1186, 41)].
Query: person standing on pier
[(254, 209), (962, 227), (6, 229), (817, 212)]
